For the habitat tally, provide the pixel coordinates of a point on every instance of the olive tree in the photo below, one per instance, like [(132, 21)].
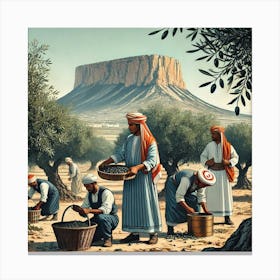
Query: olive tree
[(228, 52), (52, 132), (240, 136)]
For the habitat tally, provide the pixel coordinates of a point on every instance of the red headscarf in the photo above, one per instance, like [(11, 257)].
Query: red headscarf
[(147, 139), (226, 148)]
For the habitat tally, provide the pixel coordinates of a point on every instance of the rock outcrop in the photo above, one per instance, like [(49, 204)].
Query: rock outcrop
[(108, 90), (132, 71)]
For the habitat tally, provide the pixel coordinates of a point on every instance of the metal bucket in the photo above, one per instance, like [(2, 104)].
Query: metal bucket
[(200, 224), (74, 235), (33, 215)]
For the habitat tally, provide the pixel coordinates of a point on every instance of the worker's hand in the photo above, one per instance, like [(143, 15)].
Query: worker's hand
[(37, 206), (207, 212), (79, 209), (226, 162), (210, 162), (190, 210), (132, 171)]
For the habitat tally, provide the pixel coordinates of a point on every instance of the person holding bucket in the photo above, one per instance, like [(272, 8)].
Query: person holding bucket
[(184, 193), (49, 200), (100, 202)]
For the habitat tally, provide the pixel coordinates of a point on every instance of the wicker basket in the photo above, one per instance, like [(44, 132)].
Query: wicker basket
[(33, 215), (74, 235), (114, 176)]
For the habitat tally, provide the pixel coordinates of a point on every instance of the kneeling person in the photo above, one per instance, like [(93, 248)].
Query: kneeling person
[(100, 202), (184, 192)]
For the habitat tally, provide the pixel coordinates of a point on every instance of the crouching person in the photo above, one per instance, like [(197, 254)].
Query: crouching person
[(185, 192), (49, 196), (100, 202)]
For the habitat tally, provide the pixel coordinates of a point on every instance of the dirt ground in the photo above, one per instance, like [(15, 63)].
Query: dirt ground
[(41, 237)]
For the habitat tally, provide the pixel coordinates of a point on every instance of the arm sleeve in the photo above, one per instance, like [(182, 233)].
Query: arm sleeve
[(85, 203), (31, 191), (201, 195), (44, 187), (119, 156), (151, 159), (204, 156), (182, 189), (107, 202), (234, 157)]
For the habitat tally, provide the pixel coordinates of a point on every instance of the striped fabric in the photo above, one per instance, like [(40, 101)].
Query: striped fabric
[(140, 206)]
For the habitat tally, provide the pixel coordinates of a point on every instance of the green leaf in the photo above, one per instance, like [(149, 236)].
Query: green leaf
[(192, 51), (233, 100), (237, 110), (216, 62), (213, 88), (155, 32), (248, 95), (174, 31), (206, 84), (164, 34), (221, 55), (243, 100), (221, 83), (201, 58), (205, 72), (248, 85)]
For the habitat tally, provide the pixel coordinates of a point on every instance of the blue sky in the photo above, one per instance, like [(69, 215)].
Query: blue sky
[(71, 47)]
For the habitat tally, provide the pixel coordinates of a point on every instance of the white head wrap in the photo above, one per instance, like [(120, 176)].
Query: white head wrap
[(205, 176), (68, 160), (31, 178), (89, 178)]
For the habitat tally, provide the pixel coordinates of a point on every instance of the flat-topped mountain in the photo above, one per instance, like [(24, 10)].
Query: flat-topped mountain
[(108, 90)]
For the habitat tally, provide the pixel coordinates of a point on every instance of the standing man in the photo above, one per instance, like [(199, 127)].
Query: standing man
[(140, 208), (220, 157), (100, 202), (49, 200), (184, 192), (74, 176)]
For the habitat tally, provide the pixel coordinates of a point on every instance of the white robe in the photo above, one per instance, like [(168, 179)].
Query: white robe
[(219, 196)]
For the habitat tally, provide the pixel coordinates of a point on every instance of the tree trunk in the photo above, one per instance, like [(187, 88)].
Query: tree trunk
[(53, 177), (240, 240), (92, 166), (242, 180), (170, 168)]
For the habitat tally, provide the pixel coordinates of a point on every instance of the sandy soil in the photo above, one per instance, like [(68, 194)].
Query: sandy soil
[(41, 237)]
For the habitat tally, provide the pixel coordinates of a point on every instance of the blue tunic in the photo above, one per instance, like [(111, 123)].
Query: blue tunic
[(52, 204), (174, 212), (140, 206)]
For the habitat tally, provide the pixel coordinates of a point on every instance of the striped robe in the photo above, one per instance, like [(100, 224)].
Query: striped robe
[(140, 206)]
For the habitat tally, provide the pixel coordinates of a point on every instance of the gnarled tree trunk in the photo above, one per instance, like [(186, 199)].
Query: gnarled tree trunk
[(240, 240), (53, 177), (242, 180)]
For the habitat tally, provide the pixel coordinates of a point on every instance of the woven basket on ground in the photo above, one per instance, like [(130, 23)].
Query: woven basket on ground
[(33, 215), (74, 235), (114, 172)]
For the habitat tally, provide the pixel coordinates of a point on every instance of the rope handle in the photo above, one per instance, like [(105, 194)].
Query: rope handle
[(77, 206)]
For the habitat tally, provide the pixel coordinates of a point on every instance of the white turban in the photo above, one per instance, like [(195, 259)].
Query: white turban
[(68, 160), (205, 176), (31, 178), (89, 178)]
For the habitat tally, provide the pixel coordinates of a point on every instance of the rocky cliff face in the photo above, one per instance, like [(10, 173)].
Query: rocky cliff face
[(132, 71), (106, 91)]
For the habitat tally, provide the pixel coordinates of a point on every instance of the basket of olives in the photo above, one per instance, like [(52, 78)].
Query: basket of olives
[(114, 172)]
